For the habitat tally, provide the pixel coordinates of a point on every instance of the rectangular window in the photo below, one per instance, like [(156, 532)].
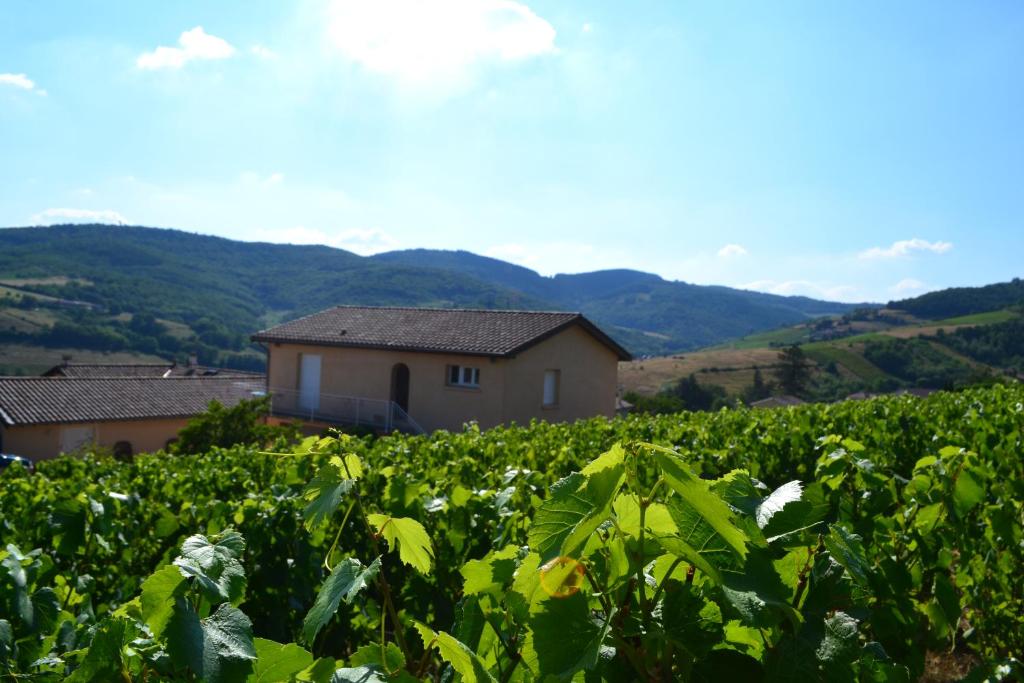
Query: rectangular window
[(463, 376), (551, 382)]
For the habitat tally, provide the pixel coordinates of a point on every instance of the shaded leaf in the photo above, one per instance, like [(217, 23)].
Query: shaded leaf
[(324, 494), (103, 661), (346, 580), (159, 592), (564, 638), (846, 549)]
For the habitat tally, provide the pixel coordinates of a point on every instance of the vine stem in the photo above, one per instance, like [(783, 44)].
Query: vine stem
[(382, 581), (602, 594), (337, 536), (425, 659)]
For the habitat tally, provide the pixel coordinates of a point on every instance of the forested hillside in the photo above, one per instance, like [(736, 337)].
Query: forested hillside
[(168, 292), (955, 301)]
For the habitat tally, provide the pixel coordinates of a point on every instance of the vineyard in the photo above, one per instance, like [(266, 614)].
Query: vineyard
[(852, 542)]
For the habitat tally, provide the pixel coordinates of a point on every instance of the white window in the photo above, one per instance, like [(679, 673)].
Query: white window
[(463, 376), (551, 381)]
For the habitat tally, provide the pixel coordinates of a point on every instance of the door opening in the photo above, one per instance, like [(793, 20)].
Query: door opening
[(400, 385), (309, 382)]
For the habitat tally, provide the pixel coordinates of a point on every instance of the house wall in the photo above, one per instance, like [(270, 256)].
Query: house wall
[(588, 377), (41, 442), (366, 373), (511, 389)]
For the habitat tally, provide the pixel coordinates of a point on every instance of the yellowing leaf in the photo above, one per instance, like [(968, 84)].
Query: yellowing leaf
[(409, 537)]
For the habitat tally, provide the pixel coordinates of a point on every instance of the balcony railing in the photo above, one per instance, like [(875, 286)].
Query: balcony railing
[(356, 411)]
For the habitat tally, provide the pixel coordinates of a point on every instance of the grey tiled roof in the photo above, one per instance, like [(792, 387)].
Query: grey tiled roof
[(434, 330), (54, 400), (84, 370)]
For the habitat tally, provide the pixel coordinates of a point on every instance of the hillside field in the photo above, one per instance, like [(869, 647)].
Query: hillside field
[(880, 540), (731, 365)]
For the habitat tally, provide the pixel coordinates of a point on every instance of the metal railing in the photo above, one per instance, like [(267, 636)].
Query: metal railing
[(355, 411)]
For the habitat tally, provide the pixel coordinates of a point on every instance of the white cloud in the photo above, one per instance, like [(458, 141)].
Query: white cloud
[(22, 82), (907, 285), (421, 42), (905, 248), (817, 290), (362, 241), (730, 250), (196, 44), (587, 28), (56, 216)]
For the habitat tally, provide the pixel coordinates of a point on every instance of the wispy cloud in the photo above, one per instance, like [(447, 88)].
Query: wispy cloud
[(905, 248), (56, 216), (731, 250), (22, 82), (424, 42), (362, 241), (195, 44)]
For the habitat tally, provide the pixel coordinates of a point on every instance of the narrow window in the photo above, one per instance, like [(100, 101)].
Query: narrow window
[(463, 376), (551, 381)]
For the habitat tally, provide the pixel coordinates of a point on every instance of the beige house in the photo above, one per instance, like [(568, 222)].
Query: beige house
[(424, 369), (41, 417)]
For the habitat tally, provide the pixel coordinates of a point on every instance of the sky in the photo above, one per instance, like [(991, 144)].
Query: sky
[(858, 151)]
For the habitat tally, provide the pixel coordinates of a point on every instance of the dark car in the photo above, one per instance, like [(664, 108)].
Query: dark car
[(7, 460)]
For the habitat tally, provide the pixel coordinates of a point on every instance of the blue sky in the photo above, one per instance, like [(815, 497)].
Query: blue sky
[(854, 151)]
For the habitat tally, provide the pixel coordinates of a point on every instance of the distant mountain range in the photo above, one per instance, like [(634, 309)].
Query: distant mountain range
[(239, 287)]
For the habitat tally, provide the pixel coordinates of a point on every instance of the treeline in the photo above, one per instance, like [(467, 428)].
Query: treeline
[(957, 301), (917, 363)]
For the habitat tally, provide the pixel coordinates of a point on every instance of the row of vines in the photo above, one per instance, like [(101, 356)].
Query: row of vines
[(843, 542)]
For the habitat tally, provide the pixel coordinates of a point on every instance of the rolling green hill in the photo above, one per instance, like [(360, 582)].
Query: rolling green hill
[(168, 292)]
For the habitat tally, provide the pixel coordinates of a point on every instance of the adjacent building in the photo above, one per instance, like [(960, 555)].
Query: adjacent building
[(422, 369), (41, 417)]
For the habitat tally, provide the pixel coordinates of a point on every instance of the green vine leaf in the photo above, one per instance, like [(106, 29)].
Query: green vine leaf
[(701, 505), (159, 592), (577, 505), (278, 662), (346, 580), (465, 662), (564, 637), (324, 494)]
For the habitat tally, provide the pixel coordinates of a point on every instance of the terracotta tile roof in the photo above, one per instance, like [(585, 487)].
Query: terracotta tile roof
[(85, 370), (432, 330), (55, 400)]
